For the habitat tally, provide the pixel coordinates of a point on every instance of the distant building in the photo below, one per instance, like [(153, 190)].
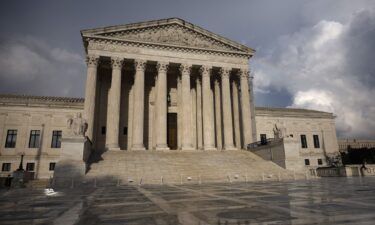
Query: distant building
[(345, 144)]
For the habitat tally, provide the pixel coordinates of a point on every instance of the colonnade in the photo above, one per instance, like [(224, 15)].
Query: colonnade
[(219, 117)]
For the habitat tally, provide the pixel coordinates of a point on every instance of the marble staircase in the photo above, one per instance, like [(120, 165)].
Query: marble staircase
[(181, 167)]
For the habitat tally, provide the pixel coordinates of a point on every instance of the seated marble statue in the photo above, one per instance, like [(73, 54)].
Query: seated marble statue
[(77, 126)]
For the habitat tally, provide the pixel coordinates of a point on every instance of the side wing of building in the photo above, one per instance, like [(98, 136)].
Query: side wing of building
[(315, 131), (32, 126)]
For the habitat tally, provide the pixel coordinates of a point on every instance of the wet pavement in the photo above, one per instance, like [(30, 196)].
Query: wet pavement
[(320, 201)]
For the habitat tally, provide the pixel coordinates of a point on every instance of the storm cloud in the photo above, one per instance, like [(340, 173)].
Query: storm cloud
[(328, 67), (30, 66), (310, 54)]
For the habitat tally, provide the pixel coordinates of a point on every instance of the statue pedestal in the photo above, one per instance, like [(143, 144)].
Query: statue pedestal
[(72, 159)]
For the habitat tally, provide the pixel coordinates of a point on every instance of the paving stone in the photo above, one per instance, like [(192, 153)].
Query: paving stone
[(320, 201)]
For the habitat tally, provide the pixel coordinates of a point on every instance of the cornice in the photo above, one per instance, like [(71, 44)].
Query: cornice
[(40, 101), (292, 112), (151, 45)]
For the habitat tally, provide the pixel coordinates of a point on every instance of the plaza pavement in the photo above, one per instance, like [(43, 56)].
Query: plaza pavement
[(318, 201)]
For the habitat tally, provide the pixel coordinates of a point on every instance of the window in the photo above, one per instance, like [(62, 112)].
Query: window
[(103, 130), (303, 141), (316, 141), (307, 162), (5, 167), (263, 139), (56, 139), (11, 139), (52, 166), (125, 131), (30, 166), (320, 162), (34, 139)]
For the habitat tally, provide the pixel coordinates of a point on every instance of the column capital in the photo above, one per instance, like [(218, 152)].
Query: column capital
[(162, 66), (244, 73), (205, 70), (117, 63), (140, 64), (92, 60), (185, 69), (225, 72)]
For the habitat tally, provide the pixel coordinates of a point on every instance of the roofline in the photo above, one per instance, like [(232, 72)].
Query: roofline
[(14, 100), (87, 32), (293, 112)]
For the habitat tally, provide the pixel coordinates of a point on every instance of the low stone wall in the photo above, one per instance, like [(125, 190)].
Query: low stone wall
[(347, 171), (284, 152)]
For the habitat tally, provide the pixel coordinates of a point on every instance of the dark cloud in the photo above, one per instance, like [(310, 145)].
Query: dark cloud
[(30, 66), (327, 67), (314, 54)]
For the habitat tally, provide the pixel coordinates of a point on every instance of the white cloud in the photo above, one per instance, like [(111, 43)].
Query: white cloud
[(315, 66)]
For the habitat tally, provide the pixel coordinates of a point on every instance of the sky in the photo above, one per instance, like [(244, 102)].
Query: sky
[(309, 54)]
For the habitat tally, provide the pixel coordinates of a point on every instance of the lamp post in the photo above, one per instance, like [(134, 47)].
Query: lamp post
[(20, 167)]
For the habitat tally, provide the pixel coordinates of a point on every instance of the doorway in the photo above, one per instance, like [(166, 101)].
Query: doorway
[(172, 131)]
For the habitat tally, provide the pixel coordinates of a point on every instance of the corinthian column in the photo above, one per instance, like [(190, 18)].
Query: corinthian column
[(208, 115), (90, 92), (227, 111), (199, 114), (113, 110), (138, 104), (161, 107), (219, 139), (186, 137), (245, 103), (236, 114)]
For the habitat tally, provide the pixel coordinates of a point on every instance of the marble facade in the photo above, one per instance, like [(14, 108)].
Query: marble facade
[(140, 74), (160, 86)]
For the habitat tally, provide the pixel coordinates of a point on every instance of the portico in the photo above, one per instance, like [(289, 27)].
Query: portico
[(166, 85)]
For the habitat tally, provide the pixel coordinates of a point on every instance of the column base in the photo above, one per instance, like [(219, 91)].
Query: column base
[(230, 148), (162, 147), (209, 148), (188, 148), (112, 147), (138, 148)]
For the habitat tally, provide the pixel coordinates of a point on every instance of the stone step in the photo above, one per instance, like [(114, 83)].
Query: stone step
[(155, 167)]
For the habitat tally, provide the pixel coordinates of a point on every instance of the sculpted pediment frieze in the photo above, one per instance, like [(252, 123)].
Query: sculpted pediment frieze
[(172, 32), (171, 35)]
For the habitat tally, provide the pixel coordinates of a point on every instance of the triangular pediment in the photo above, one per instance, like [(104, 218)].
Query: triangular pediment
[(171, 32)]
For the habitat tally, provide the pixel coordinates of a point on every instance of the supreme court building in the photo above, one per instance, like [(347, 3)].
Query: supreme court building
[(167, 85), (163, 86)]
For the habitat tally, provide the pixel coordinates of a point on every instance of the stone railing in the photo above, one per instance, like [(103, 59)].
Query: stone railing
[(346, 171)]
